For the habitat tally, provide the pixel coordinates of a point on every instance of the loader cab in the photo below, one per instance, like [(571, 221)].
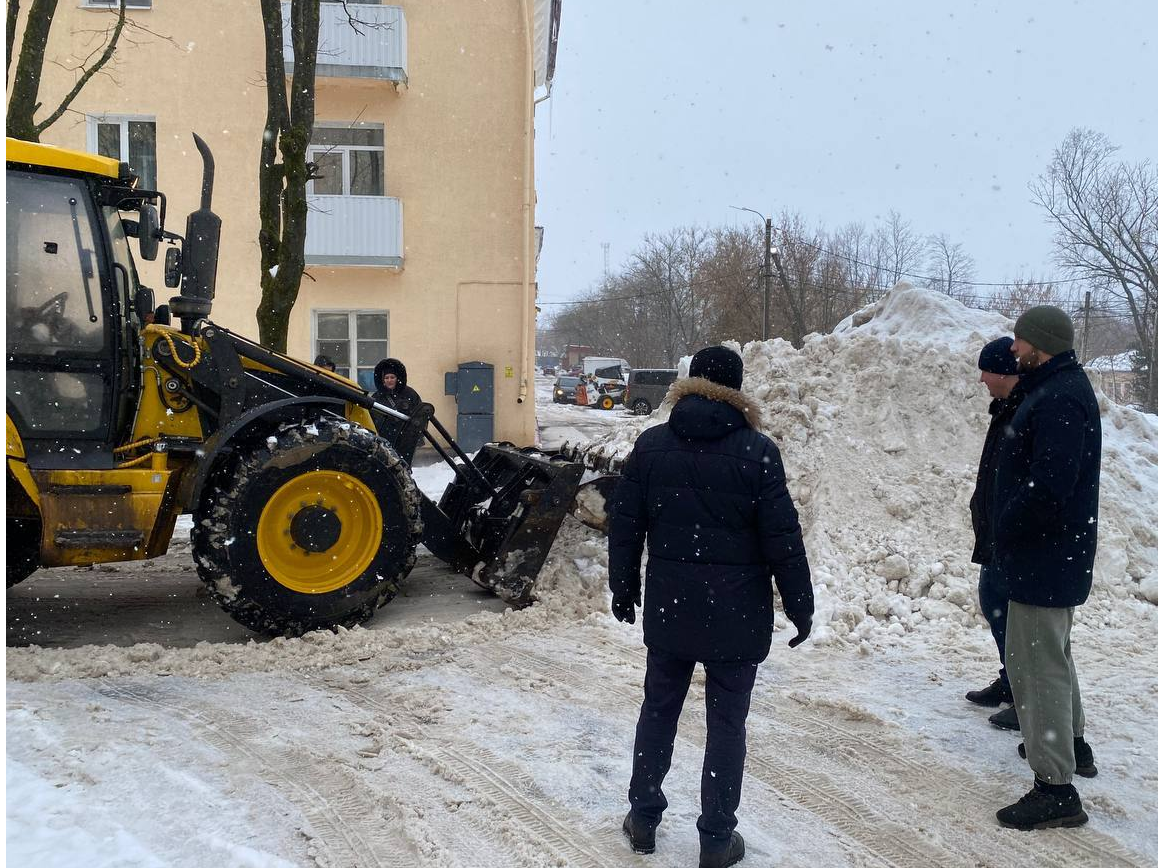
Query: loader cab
[(72, 332)]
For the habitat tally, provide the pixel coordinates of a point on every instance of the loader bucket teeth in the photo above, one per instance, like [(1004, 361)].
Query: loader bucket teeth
[(512, 533)]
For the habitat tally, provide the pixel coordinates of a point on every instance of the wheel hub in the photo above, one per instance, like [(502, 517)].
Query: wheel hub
[(315, 529)]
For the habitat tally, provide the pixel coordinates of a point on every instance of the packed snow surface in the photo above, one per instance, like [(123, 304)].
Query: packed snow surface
[(504, 738)]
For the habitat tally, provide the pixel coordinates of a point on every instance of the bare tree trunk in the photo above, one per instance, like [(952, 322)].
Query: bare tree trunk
[(24, 100), (282, 204), (13, 16)]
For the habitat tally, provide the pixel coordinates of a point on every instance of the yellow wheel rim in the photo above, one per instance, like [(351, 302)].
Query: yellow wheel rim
[(608, 403), (351, 515)]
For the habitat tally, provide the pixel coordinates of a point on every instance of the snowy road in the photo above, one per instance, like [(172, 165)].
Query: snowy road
[(507, 743)]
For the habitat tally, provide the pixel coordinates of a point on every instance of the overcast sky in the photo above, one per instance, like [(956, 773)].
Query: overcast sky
[(665, 112)]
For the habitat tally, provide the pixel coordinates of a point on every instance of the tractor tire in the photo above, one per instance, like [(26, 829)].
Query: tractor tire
[(313, 528), (642, 407), (606, 403), (23, 548)]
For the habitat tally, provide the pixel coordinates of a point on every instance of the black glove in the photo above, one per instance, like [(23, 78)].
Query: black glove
[(623, 607), (803, 627)]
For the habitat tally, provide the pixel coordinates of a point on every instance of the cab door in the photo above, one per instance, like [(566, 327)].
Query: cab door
[(60, 350)]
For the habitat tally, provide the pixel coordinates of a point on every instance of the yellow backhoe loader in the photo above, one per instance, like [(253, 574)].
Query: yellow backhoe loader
[(119, 420)]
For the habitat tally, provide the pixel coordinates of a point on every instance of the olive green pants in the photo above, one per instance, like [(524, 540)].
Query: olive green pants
[(1045, 688)]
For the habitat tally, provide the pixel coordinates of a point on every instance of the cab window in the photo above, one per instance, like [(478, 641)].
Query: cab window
[(53, 300)]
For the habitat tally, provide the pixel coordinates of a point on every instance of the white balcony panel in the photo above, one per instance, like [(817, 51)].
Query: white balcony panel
[(354, 230), (373, 47)]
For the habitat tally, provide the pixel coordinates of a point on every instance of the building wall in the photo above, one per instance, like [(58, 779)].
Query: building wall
[(455, 155)]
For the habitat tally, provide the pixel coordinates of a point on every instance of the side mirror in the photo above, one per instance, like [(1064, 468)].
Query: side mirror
[(173, 267), (143, 303), (148, 231)]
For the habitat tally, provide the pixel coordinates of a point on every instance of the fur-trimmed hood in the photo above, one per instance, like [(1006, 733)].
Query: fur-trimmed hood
[(703, 410)]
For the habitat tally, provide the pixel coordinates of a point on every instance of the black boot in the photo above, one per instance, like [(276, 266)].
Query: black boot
[(1006, 719), (1046, 806), (1083, 758), (991, 696), (722, 858), (639, 834)]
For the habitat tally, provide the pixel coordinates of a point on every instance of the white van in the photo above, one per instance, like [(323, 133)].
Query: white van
[(591, 364)]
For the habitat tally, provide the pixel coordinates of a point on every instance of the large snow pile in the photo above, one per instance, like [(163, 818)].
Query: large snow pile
[(881, 424)]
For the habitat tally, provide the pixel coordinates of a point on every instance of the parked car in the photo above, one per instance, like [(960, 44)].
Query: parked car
[(646, 388), (564, 390)]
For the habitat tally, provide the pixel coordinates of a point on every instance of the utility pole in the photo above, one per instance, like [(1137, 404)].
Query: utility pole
[(606, 259), (767, 278), (766, 326), (1085, 329)]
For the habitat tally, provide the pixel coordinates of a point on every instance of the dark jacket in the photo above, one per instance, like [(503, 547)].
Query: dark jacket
[(981, 505), (401, 398), (1046, 490), (708, 493)]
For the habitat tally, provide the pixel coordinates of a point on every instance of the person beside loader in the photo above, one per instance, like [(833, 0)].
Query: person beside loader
[(707, 494), (999, 374), (1045, 538)]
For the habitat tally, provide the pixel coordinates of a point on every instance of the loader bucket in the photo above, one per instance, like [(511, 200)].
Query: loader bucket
[(512, 530)]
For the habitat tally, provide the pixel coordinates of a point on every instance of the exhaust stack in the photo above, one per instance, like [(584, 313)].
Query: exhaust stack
[(199, 256)]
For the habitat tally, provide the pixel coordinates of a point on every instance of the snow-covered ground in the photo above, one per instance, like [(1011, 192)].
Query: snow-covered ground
[(503, 738)]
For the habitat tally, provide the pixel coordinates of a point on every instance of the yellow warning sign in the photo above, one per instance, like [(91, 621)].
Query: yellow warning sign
[(476, 389), (509, 372)]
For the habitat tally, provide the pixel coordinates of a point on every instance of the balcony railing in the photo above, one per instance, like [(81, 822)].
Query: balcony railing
[(354, 230), (372, 46)]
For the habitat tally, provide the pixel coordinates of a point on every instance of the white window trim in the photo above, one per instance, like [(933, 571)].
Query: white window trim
[(352, 321), (113, 4), (344, 150), (123, 120)]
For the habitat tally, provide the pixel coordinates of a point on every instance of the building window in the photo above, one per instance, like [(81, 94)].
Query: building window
[(114, 4), (356, 340), (351, 161), (130, 139)]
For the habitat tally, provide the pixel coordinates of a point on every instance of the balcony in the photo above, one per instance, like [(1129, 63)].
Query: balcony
[(374, 46), (354, 230)]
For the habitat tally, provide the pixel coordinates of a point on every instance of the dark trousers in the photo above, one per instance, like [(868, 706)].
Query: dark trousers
[(728, 695), (993, 595)]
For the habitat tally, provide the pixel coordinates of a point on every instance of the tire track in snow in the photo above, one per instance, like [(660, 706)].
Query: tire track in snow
[(869, 831), (1087, 846), (325, 796), (510, 789)]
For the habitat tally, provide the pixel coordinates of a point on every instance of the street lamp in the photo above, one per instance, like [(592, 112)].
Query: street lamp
[(767, 271)]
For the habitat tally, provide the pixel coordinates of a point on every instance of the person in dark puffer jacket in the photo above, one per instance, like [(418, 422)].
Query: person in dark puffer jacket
[(1045, 539), (999, 374), (707, 493)]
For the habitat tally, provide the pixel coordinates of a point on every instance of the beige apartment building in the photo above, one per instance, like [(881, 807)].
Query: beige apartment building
[(421, 242)]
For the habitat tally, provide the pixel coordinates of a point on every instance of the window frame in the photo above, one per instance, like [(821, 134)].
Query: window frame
[(94, 121), (345, 150), (115, 4), (352, 332)]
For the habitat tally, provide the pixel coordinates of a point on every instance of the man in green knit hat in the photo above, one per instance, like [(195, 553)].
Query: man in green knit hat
[(1045, 537)]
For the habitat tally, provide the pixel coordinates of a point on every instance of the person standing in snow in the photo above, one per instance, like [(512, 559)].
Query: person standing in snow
[(1045, 538), (999, 374), (707, 494), (390, 378)]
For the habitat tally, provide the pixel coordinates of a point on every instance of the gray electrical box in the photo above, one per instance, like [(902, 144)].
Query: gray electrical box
[(473, 387)]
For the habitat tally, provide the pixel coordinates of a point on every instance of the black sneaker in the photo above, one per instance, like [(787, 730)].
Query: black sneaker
[(992, 696), (640, 835), (1006, 719), (1083, 757), (1046, 806), (729, 855)]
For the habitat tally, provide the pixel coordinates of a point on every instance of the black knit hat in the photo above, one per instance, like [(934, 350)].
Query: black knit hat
[(996, 358), (718, 364), (1047, 328)]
